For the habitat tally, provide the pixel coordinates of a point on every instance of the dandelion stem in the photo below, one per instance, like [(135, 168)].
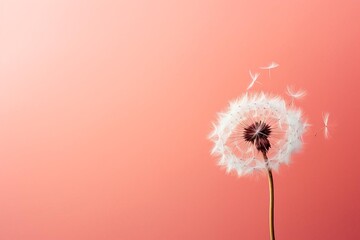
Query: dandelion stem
[(271, 204)]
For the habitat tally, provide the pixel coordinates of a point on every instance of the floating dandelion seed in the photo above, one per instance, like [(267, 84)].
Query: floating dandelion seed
[(254, 77), (325, 118), (270, 66), (295, 94), (257, 133), (326, 123)]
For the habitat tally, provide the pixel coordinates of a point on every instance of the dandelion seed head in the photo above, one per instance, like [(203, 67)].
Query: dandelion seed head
[(253, 125)]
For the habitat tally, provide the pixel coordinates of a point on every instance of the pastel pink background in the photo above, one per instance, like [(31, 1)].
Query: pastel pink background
[(105, 108)]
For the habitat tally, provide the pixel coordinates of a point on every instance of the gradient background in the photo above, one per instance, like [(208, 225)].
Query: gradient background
[(105, 108)]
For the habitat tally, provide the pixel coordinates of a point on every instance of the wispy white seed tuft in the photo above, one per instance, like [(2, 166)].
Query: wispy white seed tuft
[(270, 66), (254, 77), (326, 124), (295, 94)]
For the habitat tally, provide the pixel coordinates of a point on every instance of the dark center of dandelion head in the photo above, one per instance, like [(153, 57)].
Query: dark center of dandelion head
[(258, 134)]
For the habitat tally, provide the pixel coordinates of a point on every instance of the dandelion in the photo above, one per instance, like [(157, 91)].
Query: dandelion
[(257, 133), (295, 94), (270, 66), (254, 77)]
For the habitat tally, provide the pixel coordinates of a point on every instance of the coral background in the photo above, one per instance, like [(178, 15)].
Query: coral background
[(105, 108)]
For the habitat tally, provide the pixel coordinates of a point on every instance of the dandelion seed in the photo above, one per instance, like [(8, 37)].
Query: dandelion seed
[(270, 66), (295, 94), (326, 124), (254, 77), (325, 127)]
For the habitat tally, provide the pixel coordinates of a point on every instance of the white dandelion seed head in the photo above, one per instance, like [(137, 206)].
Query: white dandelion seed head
[(259, 114)]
